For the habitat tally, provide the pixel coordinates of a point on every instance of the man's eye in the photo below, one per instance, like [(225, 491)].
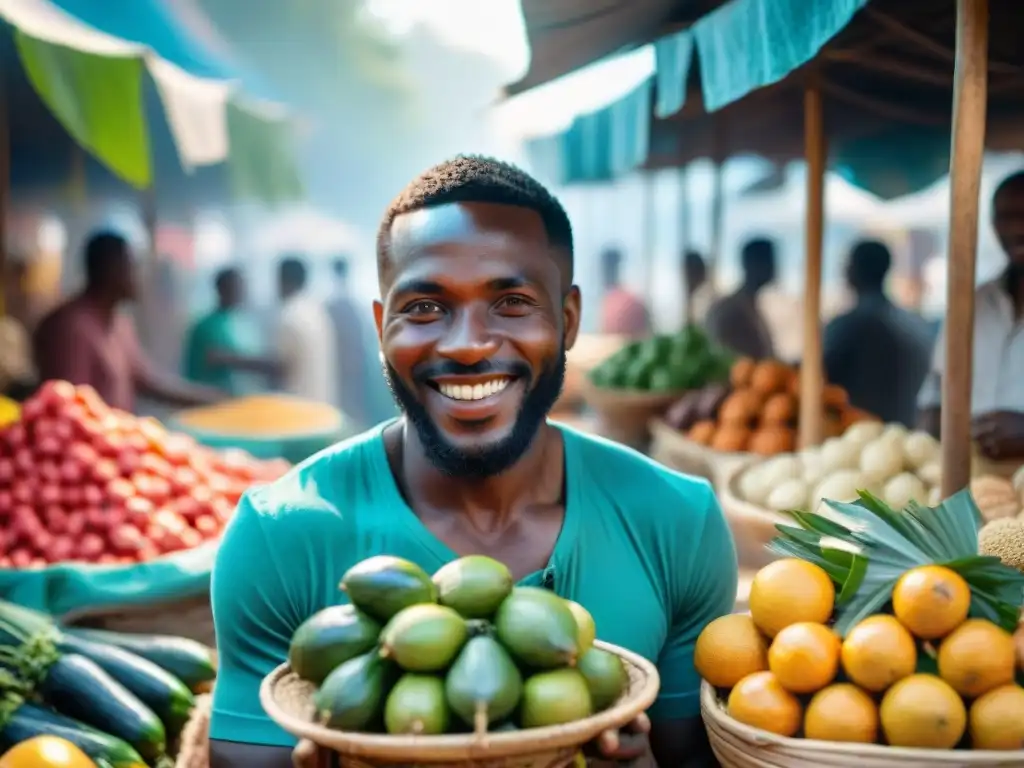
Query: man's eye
[(514, 302), (423, 307)]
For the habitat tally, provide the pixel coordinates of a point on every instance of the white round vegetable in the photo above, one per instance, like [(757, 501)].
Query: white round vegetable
[(863, 432), (791, 494), (814, 469), (882, 459), (903, 489), (841, 485), (934, 496), (783, 468), (838, 454), (919, 448), (895, 431), (753, 485), (931, 473)]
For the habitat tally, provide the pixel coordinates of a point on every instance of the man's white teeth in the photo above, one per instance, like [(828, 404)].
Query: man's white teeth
[(474, 391)]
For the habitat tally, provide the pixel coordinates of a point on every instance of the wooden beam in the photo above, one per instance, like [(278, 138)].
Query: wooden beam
[(965, 162)]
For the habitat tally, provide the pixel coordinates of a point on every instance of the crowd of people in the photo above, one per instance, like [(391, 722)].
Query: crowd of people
[(885, 356)]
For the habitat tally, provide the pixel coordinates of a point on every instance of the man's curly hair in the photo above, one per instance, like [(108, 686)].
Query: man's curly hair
[(477, 179)]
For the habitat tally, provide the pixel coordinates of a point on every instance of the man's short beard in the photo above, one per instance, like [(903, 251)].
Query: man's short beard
[(490, 460)]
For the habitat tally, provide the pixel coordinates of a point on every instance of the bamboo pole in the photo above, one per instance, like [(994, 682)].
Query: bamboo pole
[(811, 368), (970, 82)]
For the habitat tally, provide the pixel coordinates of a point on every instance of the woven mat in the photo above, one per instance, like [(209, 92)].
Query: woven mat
[(195, 738)]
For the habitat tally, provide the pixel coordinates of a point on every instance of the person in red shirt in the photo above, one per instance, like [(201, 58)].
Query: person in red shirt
[(622, 311), (86, 339)]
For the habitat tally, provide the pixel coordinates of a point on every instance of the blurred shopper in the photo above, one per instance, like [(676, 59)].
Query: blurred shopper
[(17, 373), (736, 321), (305, 337), (87, 340), (997, 394), (698, 290), (223, 348), (877, 352), (353, 356), (622, 311)]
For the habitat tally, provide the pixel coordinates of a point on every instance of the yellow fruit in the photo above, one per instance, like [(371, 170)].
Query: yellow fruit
[(760, 702), (804, 657), (842, 712), (45, 752), (729, 649), (790, 590), (977, 657), (996, 719), (931, 601), (922, 711), (878, 652)]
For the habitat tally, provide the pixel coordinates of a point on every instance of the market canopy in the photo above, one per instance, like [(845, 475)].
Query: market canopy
[(90, 65), (733, 83)]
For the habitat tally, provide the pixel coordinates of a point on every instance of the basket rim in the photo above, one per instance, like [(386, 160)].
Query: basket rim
[(711, 709), (729, 495), (659, 426), (460, 746)]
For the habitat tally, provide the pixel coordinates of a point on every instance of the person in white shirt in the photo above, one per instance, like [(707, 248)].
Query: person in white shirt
[(305, 337), (997, 391)]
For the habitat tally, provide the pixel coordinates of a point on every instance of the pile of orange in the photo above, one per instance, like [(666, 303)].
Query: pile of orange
[(924, 676)]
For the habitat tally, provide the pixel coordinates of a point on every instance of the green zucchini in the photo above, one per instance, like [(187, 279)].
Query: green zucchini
[(77, 687), (30, 720), (189, 661), (161, 691)]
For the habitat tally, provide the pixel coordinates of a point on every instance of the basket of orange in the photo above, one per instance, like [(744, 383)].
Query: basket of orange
[(892, 646), (455, 669)]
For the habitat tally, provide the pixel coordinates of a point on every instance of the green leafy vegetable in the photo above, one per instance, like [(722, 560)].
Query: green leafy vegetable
[(865, 547)]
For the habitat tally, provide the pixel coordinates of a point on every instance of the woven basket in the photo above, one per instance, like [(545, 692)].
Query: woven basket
[(625, 415), (674, 449), (753, 527), (740, 746), (287, 700), (190, 617)]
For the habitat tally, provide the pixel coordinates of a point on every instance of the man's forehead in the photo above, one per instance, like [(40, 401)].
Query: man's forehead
[(465, 222)]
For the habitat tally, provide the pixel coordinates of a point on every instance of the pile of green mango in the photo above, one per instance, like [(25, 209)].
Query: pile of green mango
[(463, 652), (665, 363)]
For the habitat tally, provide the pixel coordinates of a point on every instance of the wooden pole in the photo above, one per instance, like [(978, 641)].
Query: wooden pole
[(811, 368), (970, 93)]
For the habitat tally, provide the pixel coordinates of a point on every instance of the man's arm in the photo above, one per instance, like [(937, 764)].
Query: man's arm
[(162, 386), (837, 341), (255, 612), (255, 363), (701, 591)]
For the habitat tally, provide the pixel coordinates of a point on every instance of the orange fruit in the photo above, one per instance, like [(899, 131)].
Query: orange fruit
[(43, 751), (729, 649), (878, 652), (804, 657), (931, 601), (977, 657), (842, 712), (760, 702), (996, 719), (922, 711), (788, 591)]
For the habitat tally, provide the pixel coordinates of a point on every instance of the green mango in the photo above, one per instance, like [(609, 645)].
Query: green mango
[(350, 697), (538, 628), (555, 697), (416, 705), (381, 586), (483, 685), (424, 638), (586, 630), (606, 677), (328, 639), (474, 586)]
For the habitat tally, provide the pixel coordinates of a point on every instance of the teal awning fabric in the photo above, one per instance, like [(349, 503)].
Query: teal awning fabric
[(94, 83)]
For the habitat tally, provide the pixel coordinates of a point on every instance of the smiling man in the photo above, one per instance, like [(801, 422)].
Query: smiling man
[(477, 310)]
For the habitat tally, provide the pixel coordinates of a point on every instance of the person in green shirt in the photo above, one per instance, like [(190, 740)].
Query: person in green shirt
[(477, 310), (222, 348)]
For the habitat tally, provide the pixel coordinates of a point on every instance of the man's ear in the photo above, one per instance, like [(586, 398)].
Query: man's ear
[(571, 309), (378, 319)]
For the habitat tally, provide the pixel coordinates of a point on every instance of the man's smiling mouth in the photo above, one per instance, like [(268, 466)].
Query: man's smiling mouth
[(477, 391)]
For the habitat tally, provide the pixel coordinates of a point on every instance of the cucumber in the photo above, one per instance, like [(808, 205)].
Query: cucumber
[(187, 660), (30, 720), (161, 691), (77, 687)]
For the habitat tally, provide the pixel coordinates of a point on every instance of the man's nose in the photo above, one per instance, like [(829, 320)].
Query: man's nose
[(468, 339)]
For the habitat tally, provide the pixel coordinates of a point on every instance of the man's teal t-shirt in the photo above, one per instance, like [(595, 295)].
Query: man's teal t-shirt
[(645, 549), (227, 330)]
